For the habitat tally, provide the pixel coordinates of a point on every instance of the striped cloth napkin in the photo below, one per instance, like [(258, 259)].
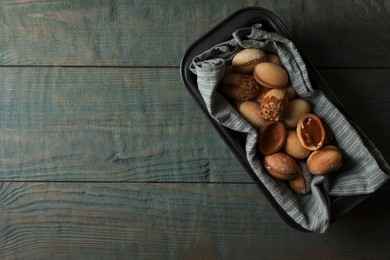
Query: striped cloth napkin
[(364, 169)]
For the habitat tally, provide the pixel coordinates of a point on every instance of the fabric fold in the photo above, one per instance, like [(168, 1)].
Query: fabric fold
[(364, 169)]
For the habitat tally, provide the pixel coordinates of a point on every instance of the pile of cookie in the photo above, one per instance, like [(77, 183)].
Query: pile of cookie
[(294, 142)]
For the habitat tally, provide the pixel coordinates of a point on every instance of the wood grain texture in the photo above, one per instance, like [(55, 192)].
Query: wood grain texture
[(109, 124), (173, 221), (128, 33), (104, 155)]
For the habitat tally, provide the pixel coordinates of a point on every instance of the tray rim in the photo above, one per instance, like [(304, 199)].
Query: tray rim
[(339, 205)]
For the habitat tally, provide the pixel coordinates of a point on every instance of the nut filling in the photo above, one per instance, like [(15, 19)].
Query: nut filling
[(310, 134), (272, 108)]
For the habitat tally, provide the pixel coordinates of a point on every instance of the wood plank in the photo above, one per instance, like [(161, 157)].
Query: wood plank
[(174, 221), (153, 33), (107, 125), (101, 124)]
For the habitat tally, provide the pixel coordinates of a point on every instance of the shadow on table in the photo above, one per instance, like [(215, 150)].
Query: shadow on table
[(369, 221)]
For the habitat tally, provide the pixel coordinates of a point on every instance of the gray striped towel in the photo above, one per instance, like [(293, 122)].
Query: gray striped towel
[(364, 169)]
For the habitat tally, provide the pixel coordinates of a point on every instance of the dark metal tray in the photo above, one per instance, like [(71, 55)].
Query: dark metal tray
[(222, 32)]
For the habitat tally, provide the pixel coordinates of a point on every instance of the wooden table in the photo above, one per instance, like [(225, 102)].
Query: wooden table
[(104, 154)]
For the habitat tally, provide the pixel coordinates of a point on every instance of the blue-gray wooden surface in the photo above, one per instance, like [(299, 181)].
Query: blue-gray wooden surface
[(103, 153)]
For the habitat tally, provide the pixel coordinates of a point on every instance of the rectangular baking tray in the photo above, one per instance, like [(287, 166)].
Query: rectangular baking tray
[(246, 17)]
